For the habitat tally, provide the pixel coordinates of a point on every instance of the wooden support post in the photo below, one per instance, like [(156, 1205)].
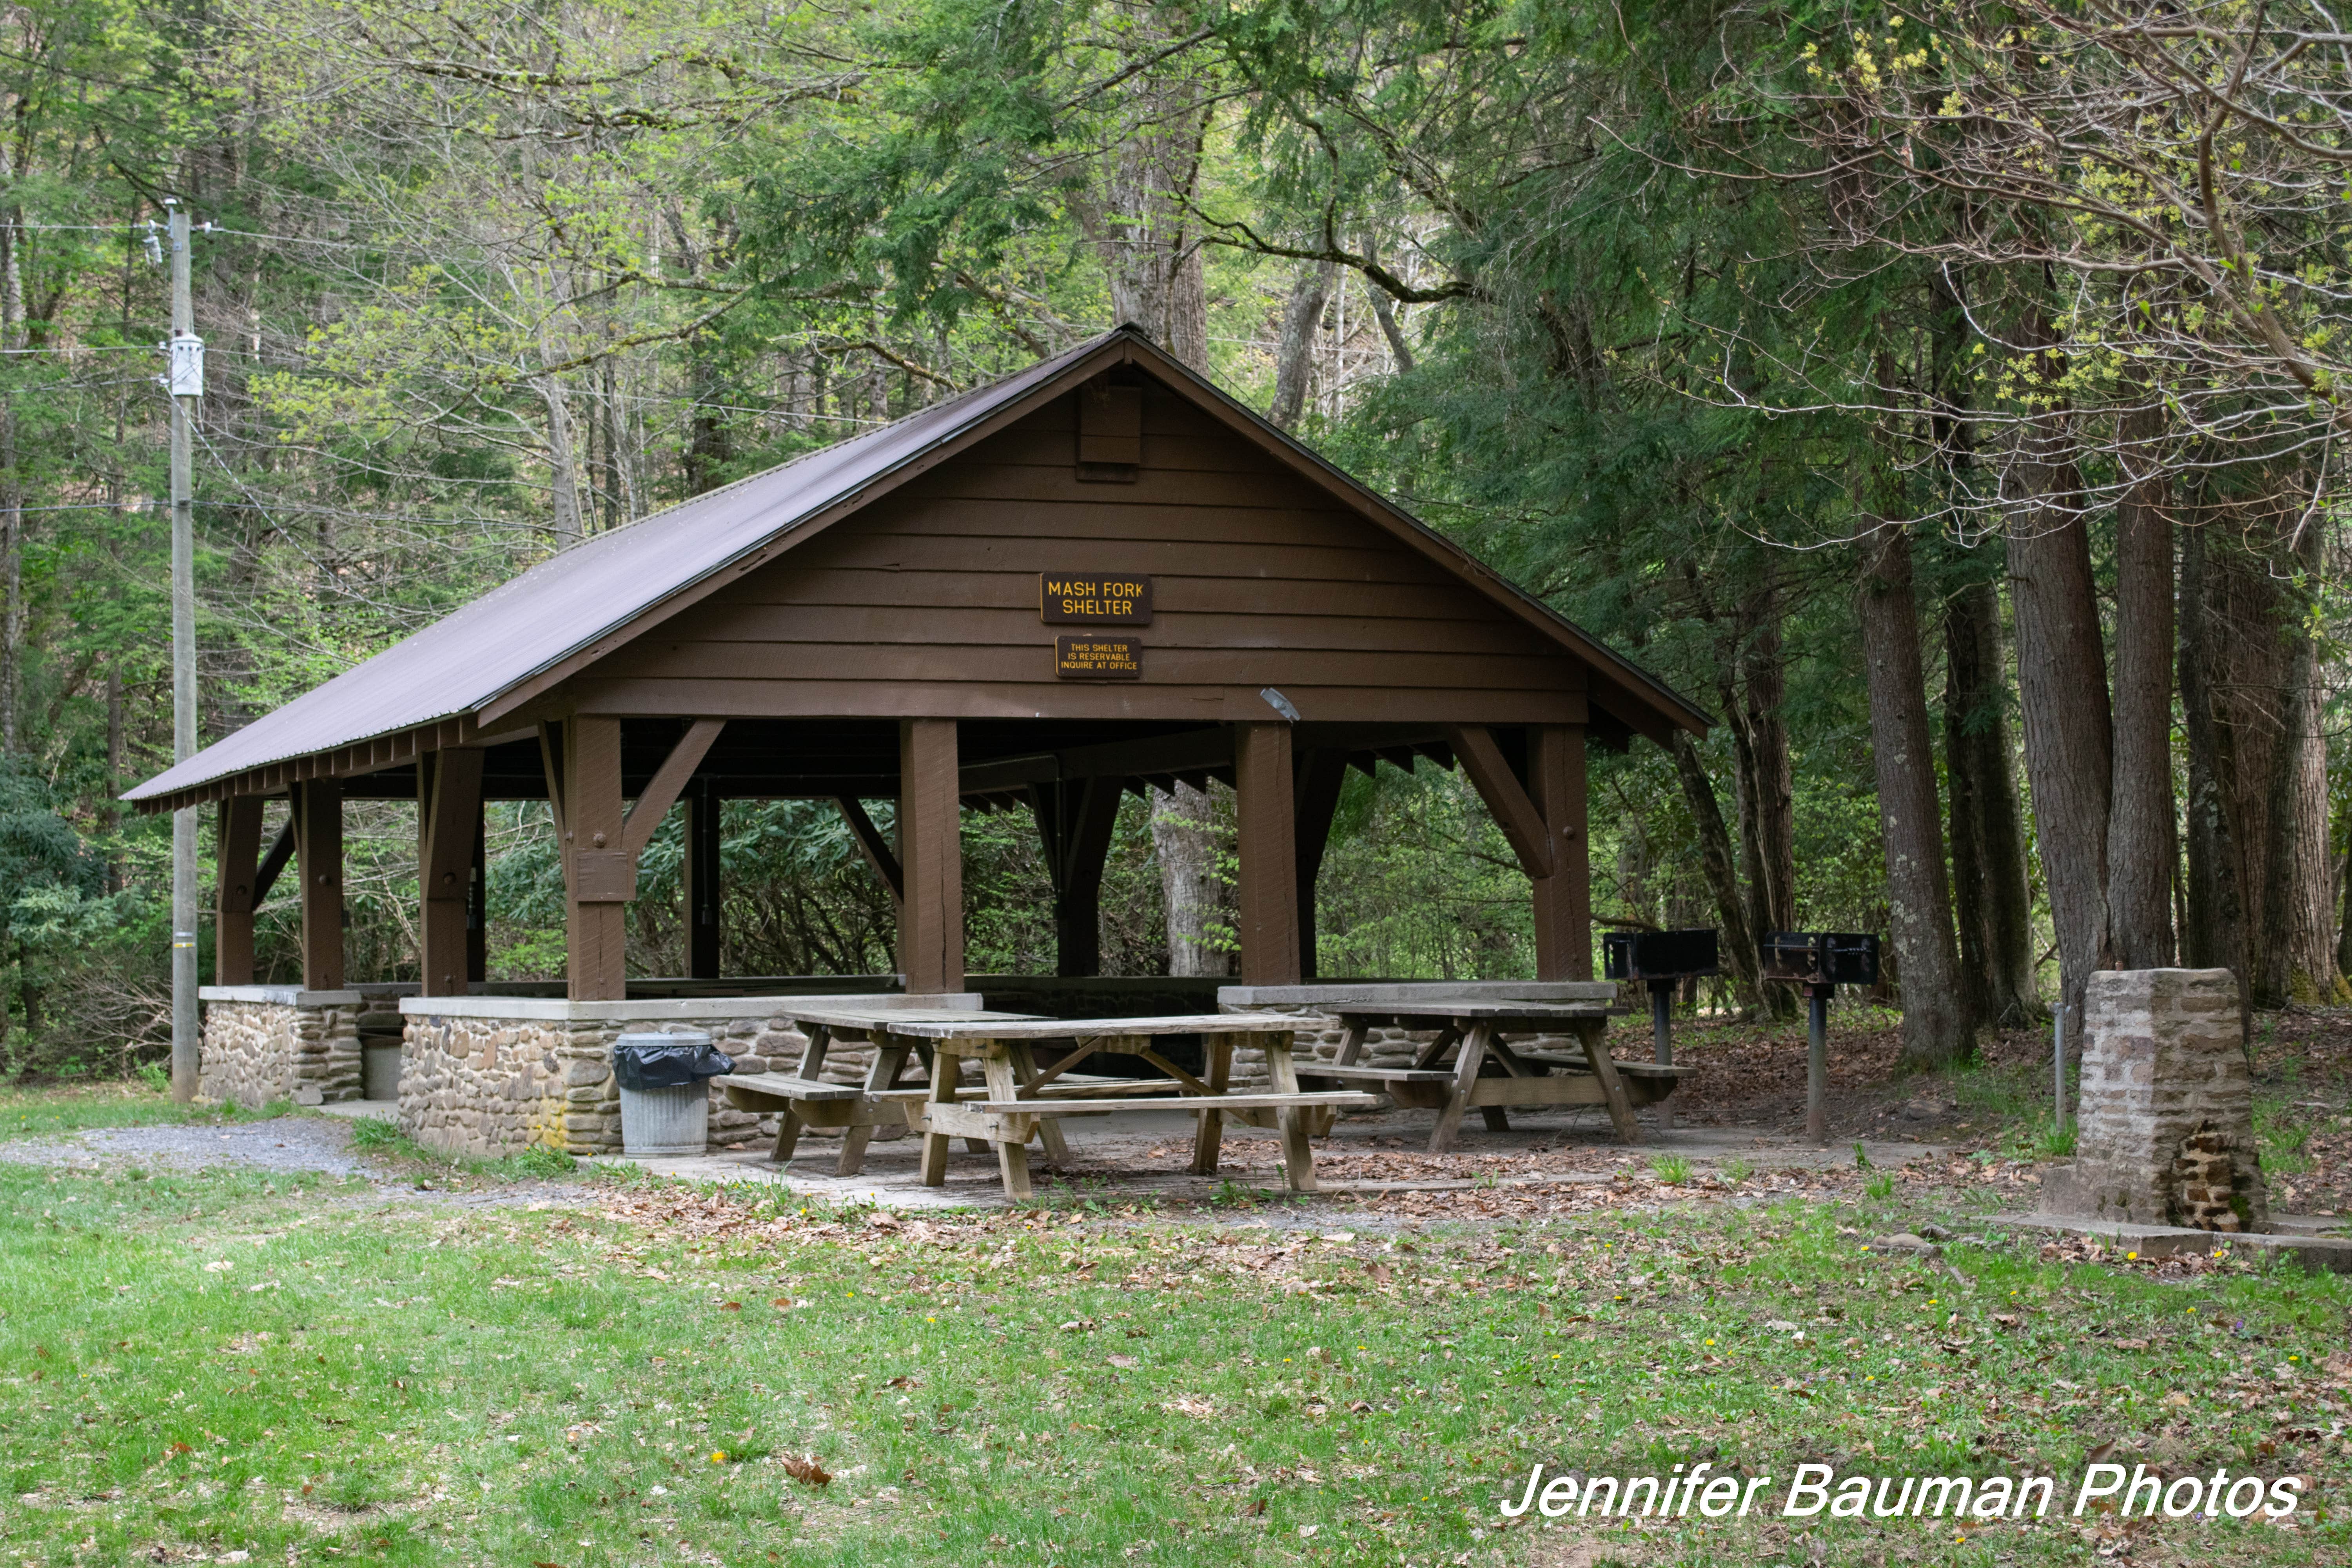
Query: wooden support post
[(1564, 900), (478, 907), (1075, 817), (703, 808), (319, 861), (1320, 774), (875, 848), (450, 812), (239, 852), (930, 857), (600, 875), (1269, 914)]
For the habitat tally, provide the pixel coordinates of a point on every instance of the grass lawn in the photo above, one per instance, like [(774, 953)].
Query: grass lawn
[(299, 1370)]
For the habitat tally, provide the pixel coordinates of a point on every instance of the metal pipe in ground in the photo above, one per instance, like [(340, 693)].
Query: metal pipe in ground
[(1817, 1063), (1662, 1035), (2058, 1067)]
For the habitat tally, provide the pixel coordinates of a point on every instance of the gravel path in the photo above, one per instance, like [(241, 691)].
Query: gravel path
[(287, 1144), (284, 1145)]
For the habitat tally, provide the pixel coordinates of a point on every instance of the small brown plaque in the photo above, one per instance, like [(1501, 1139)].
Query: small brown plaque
[(1094, 599), (1098, 656), (603, 875)]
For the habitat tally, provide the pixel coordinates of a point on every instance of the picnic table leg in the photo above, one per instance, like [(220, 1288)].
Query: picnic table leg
[(890, 1055), (944, 1066), (1298, 1151), (1351, 1045), (1049, 1129), (1218, 1071), (787, 1126), (1012, 1155), (1465, 1073), (931, 1061), (1594, 1033)]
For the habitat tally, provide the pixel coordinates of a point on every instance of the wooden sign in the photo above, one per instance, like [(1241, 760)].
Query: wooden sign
[(1068, 599), (1098, 656)]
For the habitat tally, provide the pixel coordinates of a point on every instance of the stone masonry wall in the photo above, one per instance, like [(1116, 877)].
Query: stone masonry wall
[(2163, 1064), (257, 1053), (491, 1087), (1320, 1037)]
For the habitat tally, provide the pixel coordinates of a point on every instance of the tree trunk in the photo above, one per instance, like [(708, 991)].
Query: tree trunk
[(2140, 850), (562, 464), (1937, 1027), (12, 484), (1294, 351), (2061, 684), (1993, 892), (1764, 773), (1714, 852), (2298, 904), (1185, 837), (2213, 935)]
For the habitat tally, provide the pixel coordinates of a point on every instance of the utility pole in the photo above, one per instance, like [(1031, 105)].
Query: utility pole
[(186, 385)]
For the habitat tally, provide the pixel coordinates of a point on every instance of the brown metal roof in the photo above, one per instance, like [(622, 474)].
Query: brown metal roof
[(557, 611)]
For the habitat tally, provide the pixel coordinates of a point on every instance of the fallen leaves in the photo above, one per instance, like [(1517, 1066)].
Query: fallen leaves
[(805, 1469)]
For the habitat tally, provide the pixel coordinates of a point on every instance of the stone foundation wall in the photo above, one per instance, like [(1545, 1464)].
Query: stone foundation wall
[(261, 1044), (489, 1087), (483, 1081), (1320, 1034), (2165, 1131)]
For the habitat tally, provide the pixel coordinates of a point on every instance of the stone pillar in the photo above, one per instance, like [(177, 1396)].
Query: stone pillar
[(2166, 1122)]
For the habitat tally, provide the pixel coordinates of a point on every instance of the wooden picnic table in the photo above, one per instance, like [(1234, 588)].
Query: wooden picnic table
[(1486, 1071), (1012, 1107), (1020, 1096), (802, 1099)]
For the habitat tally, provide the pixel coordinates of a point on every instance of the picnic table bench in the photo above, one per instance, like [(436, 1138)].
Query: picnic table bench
[(802, 1099), (1486, 1071)]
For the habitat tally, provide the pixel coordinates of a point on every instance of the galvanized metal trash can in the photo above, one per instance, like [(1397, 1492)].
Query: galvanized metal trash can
[(379, 1071), (666, 1118)]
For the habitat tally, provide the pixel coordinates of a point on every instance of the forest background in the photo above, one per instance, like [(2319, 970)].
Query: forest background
[(1947, 396)]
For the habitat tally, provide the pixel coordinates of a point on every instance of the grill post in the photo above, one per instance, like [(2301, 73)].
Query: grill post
[(1817, 1062), (1661, 1035)]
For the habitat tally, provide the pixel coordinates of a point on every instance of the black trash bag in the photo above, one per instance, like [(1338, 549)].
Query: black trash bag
[(667, 1061)]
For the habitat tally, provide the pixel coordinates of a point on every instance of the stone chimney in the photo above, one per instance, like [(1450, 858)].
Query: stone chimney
[(2165, 1128)]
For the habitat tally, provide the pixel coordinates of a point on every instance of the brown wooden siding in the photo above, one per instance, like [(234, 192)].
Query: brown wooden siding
[(927, 602)]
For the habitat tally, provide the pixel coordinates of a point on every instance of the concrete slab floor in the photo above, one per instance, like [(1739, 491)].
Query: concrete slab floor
[(2304, 1237), (1114, 1158), (359, 1109)]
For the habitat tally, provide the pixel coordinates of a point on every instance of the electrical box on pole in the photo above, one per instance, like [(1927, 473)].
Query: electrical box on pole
[(187, 379)]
